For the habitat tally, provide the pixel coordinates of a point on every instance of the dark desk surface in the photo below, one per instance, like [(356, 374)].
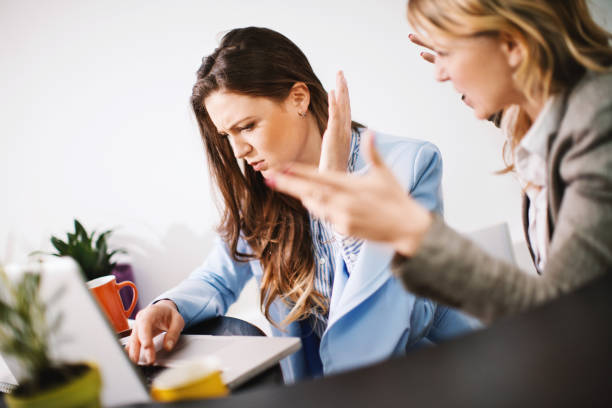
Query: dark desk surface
[(557, 355)]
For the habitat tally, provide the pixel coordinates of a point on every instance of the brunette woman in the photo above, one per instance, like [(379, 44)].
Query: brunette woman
[(259, 104)]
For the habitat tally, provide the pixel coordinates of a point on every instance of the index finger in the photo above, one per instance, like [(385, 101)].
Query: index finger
[(134, 346), (328, 178), (313, 190), (145, 336), (343, 95), (419, 41), (429, 57)]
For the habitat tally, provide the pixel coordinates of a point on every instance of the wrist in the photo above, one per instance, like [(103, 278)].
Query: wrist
[(412, 231), (167, 303), (333, 164)]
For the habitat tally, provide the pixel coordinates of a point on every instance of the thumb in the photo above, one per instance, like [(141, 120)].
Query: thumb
[(174, 331), (371, 154), (331, 103)]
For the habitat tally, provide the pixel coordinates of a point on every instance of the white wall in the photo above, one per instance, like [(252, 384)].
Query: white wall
[(95, 122)]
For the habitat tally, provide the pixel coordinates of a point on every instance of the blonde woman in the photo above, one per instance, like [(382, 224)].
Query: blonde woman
[(546, 64)]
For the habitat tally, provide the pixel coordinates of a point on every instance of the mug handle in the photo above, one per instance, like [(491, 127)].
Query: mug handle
[(134, 298)]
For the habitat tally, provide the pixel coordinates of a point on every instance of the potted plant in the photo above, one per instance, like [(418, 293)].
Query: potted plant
[(90, 252), (93, 255), (25, 334)]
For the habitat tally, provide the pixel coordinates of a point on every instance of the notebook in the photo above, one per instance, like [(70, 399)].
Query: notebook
[(86, 335)]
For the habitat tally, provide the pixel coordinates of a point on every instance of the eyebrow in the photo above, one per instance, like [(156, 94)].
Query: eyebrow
[(235, 125)]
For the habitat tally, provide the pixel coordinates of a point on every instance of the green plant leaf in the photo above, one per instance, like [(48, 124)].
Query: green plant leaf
[(102, 238), (87, 259), (91, 251), (81, 233), (6, 312), (79, 230), (61, 246)]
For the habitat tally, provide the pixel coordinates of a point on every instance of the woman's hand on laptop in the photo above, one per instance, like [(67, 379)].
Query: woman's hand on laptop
[(152, 320)]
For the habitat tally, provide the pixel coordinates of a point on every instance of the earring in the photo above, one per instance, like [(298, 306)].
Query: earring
[(302, 114)]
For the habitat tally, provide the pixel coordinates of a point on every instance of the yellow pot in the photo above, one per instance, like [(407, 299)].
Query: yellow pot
[(82, 391)]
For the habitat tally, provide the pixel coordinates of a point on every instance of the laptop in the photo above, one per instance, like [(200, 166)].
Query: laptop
[(8, 382), (86, 335)]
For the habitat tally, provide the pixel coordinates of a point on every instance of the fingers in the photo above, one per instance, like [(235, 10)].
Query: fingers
[(343, 99), (429, 57), (419, 41), (319, 197), (332, 110), (134, 345), (145, 336), (337, 180), (335, 148), (149, 323), (315, 190), (339, 103), (297, 186), (174, 331)]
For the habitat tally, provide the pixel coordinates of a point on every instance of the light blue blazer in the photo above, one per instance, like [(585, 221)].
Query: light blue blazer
[(371, 316)]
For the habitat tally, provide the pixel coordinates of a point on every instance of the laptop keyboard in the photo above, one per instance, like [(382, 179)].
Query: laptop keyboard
[(149, 372)]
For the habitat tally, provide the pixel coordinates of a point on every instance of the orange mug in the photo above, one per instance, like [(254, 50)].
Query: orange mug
[(106, 290)]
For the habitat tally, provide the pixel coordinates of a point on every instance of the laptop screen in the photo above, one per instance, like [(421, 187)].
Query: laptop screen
[(84, 334)]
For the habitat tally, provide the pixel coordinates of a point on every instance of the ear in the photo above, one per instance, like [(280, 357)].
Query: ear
[(299, 97), (514, 48)]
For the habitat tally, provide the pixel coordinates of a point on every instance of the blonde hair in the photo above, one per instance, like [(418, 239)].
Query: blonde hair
[(560, 39)]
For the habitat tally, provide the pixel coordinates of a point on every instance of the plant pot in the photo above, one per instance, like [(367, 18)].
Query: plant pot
[(81, 391)]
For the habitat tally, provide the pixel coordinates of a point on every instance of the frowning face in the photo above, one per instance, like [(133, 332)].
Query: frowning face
[(264, 132)]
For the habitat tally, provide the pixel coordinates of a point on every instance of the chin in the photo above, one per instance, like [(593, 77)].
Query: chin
[(483, 114)]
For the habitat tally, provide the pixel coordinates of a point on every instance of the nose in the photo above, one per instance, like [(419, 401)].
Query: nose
[(240, 147), (440, 71)]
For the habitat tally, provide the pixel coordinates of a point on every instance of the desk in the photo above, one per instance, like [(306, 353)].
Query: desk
[(229, 326), (557, 355)]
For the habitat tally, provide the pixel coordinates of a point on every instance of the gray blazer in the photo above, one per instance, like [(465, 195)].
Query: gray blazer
[(451, 269)]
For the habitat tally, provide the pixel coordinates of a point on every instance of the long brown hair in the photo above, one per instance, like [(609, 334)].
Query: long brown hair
[(260, 62), (561, 40)]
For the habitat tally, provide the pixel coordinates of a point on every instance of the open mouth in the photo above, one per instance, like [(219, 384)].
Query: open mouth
[(259, 165)]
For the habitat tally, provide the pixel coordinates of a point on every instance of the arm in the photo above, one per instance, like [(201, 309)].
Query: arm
[(211, 288), (451, 269), (439, 263), (207, 292)]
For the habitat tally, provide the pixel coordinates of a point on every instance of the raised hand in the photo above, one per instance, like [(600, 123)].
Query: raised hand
[(336, 144), (427, 56), (374, 206)]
